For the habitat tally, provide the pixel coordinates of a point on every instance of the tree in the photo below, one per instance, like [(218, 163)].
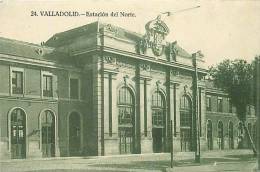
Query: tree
[(236, 78), (257, 101)]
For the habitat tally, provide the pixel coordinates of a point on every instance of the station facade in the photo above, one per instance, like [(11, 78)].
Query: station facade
[(102, 90)]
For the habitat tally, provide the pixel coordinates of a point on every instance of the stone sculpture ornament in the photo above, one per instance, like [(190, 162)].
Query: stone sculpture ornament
[(111, 28), (109, 59), (144, 67), (156, 31), (173, 50)]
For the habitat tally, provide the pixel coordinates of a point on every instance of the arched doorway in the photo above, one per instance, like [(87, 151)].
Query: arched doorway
[(220, 135), (158, 121), (209, 135), (185, 123), (230, 135), (18, 134), (126, 115), (74, 134), (48, 133)]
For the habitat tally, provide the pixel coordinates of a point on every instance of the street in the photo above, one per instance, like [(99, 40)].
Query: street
[(236, 160)]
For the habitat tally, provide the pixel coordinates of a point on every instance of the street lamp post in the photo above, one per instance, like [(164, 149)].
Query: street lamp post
[(195, 110), (171, 144), (257, 84), (197, 152)]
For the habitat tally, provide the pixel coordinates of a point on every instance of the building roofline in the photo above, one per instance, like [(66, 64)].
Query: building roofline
[(25, 43)]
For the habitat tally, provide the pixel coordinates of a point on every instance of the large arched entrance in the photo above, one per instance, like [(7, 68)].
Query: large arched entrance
[(209, 135), (48, 133), (185, 123), (74, 134), (230, 135), (158, 121), (220, 135), (18, 134), (126, 115)]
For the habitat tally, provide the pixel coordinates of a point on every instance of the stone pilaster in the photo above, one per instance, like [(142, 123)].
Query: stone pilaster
[(106, 107), (110, 114), (144, 107), (114, 107), (95, 145), (106, 69), (145, 118), (138, 110)]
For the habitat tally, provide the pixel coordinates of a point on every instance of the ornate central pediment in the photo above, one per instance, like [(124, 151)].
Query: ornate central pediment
[(157, 26), (156, 31)]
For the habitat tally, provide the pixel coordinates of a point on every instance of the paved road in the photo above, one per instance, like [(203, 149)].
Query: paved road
[(219, 167), (211, 161)]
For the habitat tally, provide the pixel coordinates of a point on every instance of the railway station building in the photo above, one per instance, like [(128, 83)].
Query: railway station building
[(103, 90)]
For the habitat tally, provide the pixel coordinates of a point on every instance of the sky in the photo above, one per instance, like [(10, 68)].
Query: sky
[(219, 28)]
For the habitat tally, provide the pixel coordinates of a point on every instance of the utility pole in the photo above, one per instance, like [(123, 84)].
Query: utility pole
[(195, 110), (197, 153), (257, 84), (171, 146)]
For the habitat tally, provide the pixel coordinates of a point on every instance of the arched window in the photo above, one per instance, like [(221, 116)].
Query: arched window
[(158, 121), (125, 103), (18, 134), (185, 123), (209, 135), (48, 133), (220, 135), (185, 109), (47, 117), (125, 106), (158, 109)]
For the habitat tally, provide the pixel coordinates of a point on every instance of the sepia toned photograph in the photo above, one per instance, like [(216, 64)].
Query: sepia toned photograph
[(129, 86)]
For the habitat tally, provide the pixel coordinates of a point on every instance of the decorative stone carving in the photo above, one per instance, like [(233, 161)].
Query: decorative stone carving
[(124, 63), (156, 31), (173, 50), (185, 89), (142, 46), (201, 77), (109, 59), (144, 67), (111, 28), (126, 77), (158, 84), (39, 51), (199, 54), (175, 72)]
